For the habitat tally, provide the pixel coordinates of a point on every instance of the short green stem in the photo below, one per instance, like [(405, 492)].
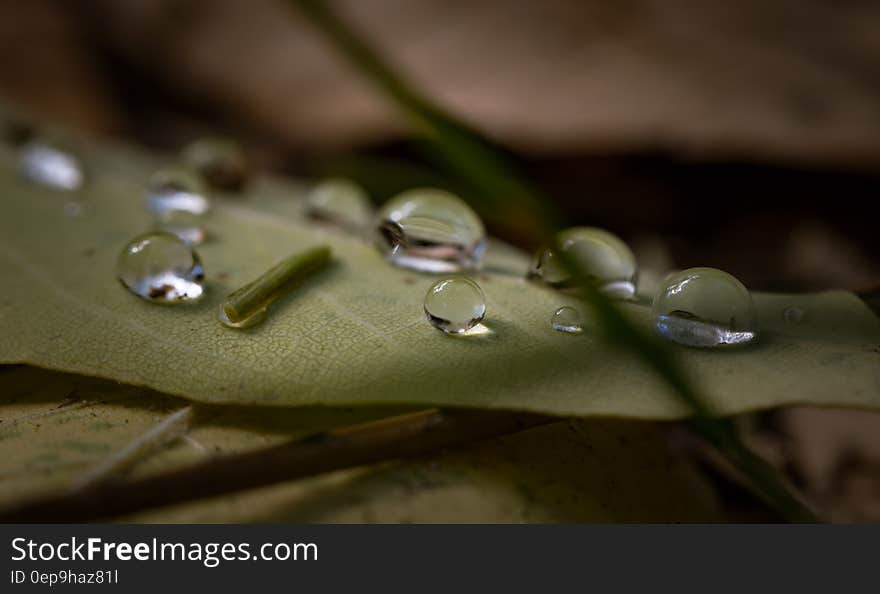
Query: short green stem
[(243, 303)]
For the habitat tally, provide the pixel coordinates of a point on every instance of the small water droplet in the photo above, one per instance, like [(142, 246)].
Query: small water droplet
[(794, 315), (546, 266), (455, 305), (75, 209), (705, 307), (161, 267), (220, 161), (567, 319), (600, 254), (252, 320), (51, 165), (176, 198), (340, 201), (431, 231)]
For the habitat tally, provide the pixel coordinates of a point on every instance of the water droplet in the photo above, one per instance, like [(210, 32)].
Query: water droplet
[(75, 209), (252, 320), (600, 254), (455, 305), (160, 267), (340, 201), (51, 165), (567, 319), (546, 266), (705, 307), (794, 315), (431, 231), (220, 161), (176, 198)]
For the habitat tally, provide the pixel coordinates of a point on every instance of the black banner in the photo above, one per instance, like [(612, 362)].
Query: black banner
[(415, 558)]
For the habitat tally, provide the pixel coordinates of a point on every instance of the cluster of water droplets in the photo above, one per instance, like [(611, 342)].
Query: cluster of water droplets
[(434, 231), (162, 266), (426, 230)]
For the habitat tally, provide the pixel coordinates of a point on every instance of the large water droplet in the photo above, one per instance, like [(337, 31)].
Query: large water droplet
[(455, 305), (340, 201), (160, 267), (220, 161), (705, 307), (567, 319), (176, 198), (601, 255), (51, 165), (431, 231)]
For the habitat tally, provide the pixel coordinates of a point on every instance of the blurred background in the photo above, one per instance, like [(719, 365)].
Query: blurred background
[(741, 135)]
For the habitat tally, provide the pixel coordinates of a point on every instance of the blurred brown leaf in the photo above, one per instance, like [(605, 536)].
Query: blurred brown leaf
[(794, 80), (837, 453)]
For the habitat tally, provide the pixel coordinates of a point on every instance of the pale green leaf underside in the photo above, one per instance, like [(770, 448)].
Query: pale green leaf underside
[(355, 334), (584, 471)]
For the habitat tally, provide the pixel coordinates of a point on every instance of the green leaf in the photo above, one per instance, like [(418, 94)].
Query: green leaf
[(355, 333), (54, 428)]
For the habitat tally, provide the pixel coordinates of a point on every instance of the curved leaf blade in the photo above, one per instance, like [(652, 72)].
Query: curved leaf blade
[(355, 334)]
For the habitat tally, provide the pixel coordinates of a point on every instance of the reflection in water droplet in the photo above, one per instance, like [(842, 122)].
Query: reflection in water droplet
[(176, 198), (546, 266), (794, 315), (601, 255), (455, 305), (705, 307), (51, 166), (254, 319), (567, 319), (431, 231), (342, 202), (160, 267), (221, 162)]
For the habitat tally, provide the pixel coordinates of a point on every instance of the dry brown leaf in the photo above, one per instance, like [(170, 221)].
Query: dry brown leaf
[(793, 80)]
